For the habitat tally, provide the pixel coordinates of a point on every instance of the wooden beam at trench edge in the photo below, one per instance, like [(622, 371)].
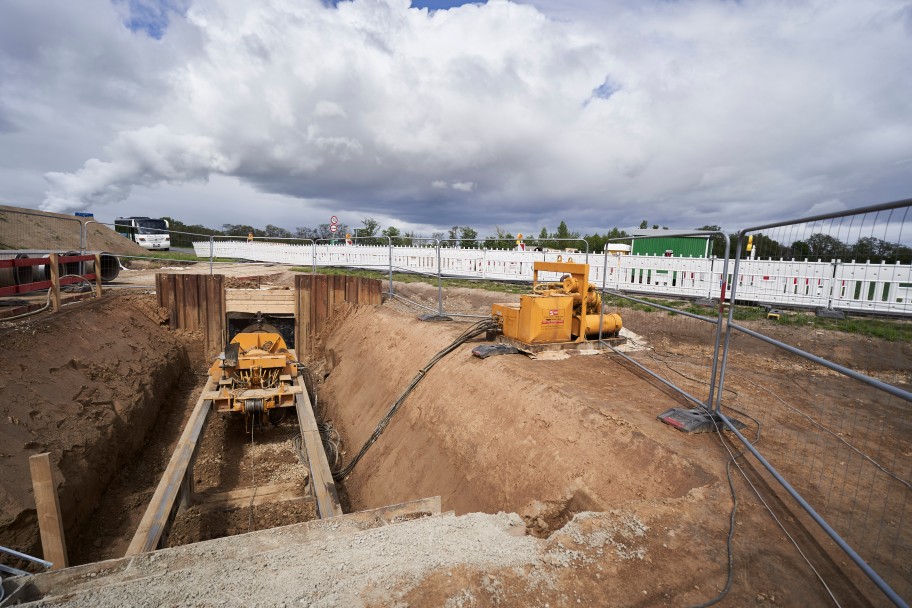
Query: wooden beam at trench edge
[(155, 521)]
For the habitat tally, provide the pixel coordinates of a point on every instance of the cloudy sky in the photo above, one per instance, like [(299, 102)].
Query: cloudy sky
[(429, 114)]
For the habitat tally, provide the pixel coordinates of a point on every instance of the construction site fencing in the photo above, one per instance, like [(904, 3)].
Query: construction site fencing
[(53, 233), (674, 341), (836, 435), (879, 286)]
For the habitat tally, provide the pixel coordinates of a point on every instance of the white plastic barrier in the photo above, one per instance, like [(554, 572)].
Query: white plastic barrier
[(884, 288)]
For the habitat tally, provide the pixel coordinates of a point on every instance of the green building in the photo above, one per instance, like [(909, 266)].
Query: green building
[(654, 242)]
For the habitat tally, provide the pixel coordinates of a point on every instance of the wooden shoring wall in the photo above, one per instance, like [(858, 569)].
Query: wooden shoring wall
[(195, 301), (317, 295)]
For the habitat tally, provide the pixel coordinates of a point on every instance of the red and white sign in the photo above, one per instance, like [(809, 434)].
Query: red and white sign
[(334, 220), (333, 228)]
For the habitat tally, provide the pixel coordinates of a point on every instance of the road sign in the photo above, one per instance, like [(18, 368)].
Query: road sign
[(333, 228), (334, 220)]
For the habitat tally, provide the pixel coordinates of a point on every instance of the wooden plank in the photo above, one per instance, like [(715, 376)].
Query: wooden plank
[(191, 305), (297, 313), (270, 494), (171, 303), (320, 291), (54, 265), (202, 298), (321, 480), (157, 514), (158, 289), (98, 275), (339, 290), (251, 299), (50, 523), (215, 327), (377, 293), (284, 309), (304, 319), (180, 322), (330, 296), (220, 318)]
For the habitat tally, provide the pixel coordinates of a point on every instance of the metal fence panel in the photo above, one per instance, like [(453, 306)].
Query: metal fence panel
[(832, 396)]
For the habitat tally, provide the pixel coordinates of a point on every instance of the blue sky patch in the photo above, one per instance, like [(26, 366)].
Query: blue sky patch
[(606, 89), (442, 4), (151, 16), (431, 4)]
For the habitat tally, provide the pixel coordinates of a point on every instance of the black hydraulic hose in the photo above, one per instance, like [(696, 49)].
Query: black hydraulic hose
[(473, 331)]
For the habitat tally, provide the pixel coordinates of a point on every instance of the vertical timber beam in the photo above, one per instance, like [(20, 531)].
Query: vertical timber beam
[(215, 308), (50, 523), (55, 281), (97, 275), (177, 321)]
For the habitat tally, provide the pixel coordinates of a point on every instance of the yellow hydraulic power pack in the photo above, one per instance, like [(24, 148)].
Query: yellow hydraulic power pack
[(566, 311)]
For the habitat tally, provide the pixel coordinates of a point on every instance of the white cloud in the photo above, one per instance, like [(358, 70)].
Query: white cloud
[(599, 113)]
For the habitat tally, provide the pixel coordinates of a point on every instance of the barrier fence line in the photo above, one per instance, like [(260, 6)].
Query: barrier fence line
[(832, 443), (850, 286)]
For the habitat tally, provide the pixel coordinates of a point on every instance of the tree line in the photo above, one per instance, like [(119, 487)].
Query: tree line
[(370, 233), (818, 246)]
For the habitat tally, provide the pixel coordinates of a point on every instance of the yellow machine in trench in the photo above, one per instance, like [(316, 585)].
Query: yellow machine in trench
[(565, 312), (255, 375)]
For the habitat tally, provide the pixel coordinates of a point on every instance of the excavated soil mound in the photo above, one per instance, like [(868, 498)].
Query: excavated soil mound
[(33, 229), (85, 385)]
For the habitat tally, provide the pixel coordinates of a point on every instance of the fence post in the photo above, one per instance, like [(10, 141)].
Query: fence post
[(55, 281), (211, 253), (439, 282), (391, 265), (718, 344)]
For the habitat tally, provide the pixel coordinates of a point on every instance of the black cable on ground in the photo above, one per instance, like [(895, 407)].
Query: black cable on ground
[(734, 510), (473, 331)]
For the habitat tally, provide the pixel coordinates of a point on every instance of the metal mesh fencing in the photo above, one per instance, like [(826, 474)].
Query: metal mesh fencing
[(19, 230), (828, 385), (674, 340)]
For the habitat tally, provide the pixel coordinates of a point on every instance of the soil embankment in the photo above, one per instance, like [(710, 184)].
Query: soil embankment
[(33, 229), (542, 438), (86, 386), (555, 440)]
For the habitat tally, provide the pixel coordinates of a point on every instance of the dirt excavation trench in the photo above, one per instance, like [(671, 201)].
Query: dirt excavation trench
[(106, 388), (619, 509), (91, 385)]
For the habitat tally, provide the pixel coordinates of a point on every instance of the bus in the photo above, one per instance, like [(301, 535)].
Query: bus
[(149, 233)]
